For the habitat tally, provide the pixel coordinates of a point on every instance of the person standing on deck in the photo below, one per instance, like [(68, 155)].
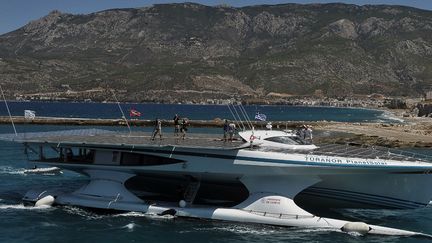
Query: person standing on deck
[(225, 130), (176, 125), (269, 126), (157, 130), (231, 129), (183, 127), (308, 135), (301, 132)]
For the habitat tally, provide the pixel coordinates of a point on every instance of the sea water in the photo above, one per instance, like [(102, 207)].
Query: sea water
[(198, 112), (19, 223)]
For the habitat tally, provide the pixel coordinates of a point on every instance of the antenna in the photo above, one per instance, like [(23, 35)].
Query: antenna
[(248, 121), (235, 119), (121, 110), (241, 122), (7, 107)]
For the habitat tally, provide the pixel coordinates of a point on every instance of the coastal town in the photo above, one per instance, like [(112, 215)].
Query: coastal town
[(412, 106)]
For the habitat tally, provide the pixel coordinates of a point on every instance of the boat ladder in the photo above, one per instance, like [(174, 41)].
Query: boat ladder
[(192, 190)]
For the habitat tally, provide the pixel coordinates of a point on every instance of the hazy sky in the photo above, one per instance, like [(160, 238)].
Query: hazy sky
[(16, 13)]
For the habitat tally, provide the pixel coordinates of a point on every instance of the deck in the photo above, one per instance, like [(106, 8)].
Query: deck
[(202, 141), (106, 137)]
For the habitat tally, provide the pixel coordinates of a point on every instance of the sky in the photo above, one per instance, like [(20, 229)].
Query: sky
[(16, 13)]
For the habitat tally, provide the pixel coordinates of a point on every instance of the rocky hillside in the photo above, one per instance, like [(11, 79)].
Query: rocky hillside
[(175, 52)]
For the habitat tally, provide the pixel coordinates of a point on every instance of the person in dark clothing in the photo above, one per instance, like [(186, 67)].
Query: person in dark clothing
[(176, 125), (226, 130), (157, 130), (183, 128)]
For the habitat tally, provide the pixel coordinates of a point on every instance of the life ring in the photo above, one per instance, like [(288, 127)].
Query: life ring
[(252, 137)]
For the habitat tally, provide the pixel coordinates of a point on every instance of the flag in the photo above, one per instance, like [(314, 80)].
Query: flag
[(260, 117), (28, 114), (134, 113)]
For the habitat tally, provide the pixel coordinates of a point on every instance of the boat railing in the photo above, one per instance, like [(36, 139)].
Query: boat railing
[(372, 152), (280, 215), (410, 154)]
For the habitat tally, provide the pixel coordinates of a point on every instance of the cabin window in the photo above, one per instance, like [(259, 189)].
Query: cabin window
[(285, 140), (146, 160), (115, 156), (105, 157)]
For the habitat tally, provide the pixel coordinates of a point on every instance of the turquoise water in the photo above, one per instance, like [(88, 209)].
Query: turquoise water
[(72, 224)]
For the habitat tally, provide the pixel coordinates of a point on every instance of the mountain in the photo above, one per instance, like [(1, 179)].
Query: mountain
[(187, 51)]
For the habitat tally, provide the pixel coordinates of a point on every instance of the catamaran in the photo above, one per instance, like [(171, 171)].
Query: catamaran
[(246, 180)]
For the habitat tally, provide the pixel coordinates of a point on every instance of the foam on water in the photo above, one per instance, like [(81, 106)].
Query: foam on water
[(388, 116), (48, 224), (245, 229), (23, 207), (354, 234), (130, 227), (145, 215), (130, 214), (82, 213), (313, 230), (155, 216), (11, 170)]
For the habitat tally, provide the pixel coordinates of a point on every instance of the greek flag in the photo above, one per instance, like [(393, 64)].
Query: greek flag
[(260, 117), (28, 114)]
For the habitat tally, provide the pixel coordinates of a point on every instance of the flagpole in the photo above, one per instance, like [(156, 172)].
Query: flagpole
[(7, 107)]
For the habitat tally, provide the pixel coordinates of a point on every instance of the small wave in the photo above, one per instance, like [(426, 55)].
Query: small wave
[(140, 214), (388, 116), (240, 229), (130, 227), (313, 230), (130, 214), (48, 224), (155, 216), (354, 234)]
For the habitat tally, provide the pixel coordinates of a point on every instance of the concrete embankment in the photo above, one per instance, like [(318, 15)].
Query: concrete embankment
[(410, 134)]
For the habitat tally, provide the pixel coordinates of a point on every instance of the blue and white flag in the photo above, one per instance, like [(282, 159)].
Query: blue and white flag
[(260, 117)]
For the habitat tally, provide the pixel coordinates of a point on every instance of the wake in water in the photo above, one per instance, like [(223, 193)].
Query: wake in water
[(11, 170), (244, 229), (82, 213), (23, 207), (94, 216), (52, 171)]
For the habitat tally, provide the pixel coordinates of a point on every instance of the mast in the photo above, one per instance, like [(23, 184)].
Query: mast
[(7, 107)]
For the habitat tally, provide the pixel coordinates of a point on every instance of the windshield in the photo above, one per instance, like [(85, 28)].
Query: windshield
[(285, 140)]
